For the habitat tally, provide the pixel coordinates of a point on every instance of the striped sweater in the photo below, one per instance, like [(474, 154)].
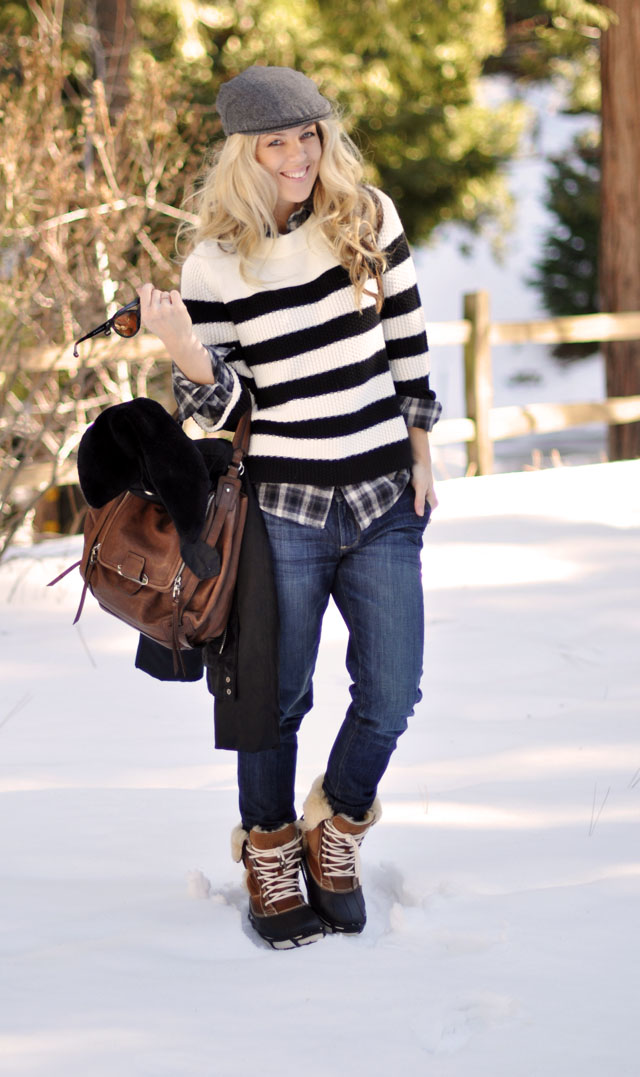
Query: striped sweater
[(324, 376)]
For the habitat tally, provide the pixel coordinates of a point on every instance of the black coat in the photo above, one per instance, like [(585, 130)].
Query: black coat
[(242, 665)]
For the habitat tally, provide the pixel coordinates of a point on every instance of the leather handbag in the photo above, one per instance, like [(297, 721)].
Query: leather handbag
[(133, 566)]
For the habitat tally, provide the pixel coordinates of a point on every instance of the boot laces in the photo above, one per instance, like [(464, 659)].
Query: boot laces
[(276, 870), (340, 852)]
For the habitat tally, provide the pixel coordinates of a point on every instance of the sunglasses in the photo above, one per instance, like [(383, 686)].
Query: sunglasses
[(125, 322)]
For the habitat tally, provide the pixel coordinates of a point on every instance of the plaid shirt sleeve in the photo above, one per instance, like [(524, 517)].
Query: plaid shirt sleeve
[(420, 411), (205, 403)]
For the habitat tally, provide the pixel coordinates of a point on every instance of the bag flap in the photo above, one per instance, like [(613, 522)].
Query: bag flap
[(140, 543)]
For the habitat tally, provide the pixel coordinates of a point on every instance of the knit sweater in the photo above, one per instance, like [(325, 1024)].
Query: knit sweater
[(324, 376)]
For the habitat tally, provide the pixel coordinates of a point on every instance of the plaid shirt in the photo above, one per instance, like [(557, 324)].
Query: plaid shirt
[(308, 505)]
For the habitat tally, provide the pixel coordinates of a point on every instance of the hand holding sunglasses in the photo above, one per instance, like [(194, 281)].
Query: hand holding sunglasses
[(165, 315), (152, 302), (125, 322)]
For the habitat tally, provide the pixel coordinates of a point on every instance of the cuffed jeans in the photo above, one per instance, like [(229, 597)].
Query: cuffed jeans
[(375, 580)]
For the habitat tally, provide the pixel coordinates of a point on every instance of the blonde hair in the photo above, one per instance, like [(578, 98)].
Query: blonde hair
[(236, 201)]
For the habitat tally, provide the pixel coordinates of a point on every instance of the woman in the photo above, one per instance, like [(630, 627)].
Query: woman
[(299, 300)]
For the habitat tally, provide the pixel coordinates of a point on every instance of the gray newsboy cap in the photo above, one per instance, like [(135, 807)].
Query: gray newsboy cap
[(269, 99)]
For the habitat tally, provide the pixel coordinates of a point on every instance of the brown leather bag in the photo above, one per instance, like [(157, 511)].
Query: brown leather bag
[(132, 563)]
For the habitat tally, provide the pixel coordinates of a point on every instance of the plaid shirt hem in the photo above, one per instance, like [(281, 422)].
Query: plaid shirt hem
[(306, 505)]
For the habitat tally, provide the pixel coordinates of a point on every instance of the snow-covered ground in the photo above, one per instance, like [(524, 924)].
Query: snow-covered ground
[(503, 882)]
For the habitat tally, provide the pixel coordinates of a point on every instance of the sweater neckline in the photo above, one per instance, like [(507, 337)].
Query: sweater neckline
[(290, 243)]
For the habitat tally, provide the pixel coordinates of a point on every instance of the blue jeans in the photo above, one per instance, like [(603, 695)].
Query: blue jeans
[(375, 580)]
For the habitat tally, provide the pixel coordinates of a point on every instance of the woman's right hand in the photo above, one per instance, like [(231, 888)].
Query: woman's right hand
[(165, 314)]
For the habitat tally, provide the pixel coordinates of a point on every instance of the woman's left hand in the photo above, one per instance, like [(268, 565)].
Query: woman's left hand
[(422, 472), (422, 482)]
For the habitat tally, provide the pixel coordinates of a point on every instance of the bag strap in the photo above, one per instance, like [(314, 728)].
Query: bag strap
[(76, 564), (226, 498), (89, 546), (85, 585), (240, 445)]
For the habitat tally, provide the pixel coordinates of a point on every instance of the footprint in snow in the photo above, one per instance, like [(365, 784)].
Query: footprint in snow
[(389, 902), (447, 1030), (199, 888)]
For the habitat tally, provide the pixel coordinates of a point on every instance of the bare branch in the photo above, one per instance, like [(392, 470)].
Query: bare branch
[(117, 206)]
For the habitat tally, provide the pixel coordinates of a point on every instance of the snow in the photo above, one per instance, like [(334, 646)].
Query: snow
[(502, 883)]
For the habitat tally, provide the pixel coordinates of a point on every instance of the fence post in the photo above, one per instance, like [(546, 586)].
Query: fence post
[(478, 381)]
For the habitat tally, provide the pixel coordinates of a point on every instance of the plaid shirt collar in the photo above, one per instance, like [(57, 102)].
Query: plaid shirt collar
[(300, 215)]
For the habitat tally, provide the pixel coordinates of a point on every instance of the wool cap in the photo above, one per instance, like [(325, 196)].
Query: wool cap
[(269, 99)]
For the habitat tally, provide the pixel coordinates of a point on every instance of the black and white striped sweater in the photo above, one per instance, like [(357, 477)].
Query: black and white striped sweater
[(324, 376)]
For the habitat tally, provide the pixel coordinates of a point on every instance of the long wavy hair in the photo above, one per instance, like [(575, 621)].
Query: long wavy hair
[(236, 201)]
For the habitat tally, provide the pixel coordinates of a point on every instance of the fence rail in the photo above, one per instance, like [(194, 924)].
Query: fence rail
[(477, 335), (485, 423)]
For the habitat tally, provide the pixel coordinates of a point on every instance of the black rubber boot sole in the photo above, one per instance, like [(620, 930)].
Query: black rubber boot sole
[(288, 930), (341, 913)]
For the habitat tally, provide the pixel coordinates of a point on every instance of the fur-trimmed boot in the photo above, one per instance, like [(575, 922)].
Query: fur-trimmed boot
[(331, 862), (277, 909)]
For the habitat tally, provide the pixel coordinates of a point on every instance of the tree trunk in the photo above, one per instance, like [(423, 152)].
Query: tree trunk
[(620, 207), (114, 37)]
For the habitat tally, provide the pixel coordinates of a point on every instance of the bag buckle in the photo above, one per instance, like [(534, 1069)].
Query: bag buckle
[(132, 570)]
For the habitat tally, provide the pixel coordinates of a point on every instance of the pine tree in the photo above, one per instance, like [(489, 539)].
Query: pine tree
[(567, 273)]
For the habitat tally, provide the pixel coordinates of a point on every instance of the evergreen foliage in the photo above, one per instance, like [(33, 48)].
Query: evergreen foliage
[(558, 41), (567, 273), (405, 73), (554, 40)]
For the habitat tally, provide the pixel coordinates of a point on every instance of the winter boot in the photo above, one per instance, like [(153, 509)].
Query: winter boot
[(277, 909), (331, 862)]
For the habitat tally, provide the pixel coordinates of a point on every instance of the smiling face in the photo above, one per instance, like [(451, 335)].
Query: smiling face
[(292, 157)]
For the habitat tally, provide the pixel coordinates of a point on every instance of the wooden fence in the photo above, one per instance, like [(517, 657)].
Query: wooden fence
[(484, 423)]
